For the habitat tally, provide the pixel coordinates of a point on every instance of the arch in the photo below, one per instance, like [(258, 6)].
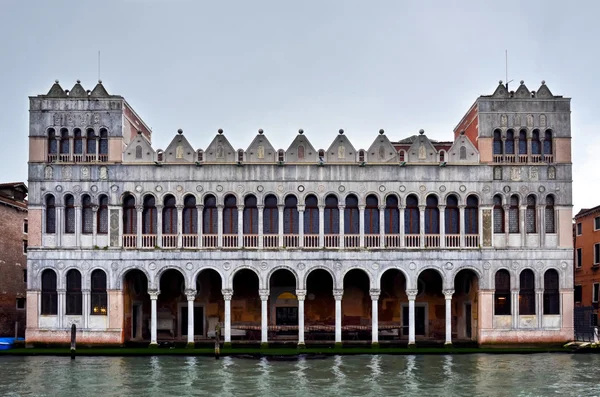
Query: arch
[(438, 269), (129, 214), (69, 213), (50, 213), (49, 296), (502, 294), (282, 267), (527, 292), (452, 217), (319, 267), (536, 142), (531, 214), (351, 216), (550, 215), (149, 214), (291, 216), (363, 270), (200, 155), (332, 214), (210, 223), (87, 214), (160, 155), (164, 269), (498, 211), (65, 142), (551, 291), (442, 154), (103, 143), (250, 215), (240, 155), (402, 156), (77, 144), (169, 214), (52, 143), (548, 135), (472, 215), (73, 295), (98, 293), (246, 267), (497, 142), (522, 140), (123, 272), (281, 155), (197, 273), (394, 267), (102, 214), (509, 144), (513, 214), (432, 214), (271, 215), (361, 156), (90, 146), (392, 213), (230, 217), (475, 270), (311, 214)]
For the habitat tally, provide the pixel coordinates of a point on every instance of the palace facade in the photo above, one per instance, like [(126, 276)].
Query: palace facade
[(469, 239)]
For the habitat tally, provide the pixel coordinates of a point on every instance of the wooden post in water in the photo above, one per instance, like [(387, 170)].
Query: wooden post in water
[(217, 341), (16, 330), (73, 340)]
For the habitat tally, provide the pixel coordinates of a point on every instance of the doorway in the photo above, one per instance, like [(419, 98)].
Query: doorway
[(468, 329), (420, 314), (136, 320), (198, 320)]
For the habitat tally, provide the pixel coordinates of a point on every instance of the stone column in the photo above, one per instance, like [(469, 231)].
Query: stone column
[(422, 226), (337, 294), (361, 225), (461, 224), (240, 227), (301, 295), (179, 225), (412, 296), (220, 225), (542, 225), (153, 298), (382, 226), (529, 149), (401, 225), (61, 301), (200, 210), (191, 297), (140, 212), (515, 307), (59, 230), (95, 225), (506, 223), (300, 226), (78, 226), (442, 209), (261, 225), (227, 294), (85, 307), (374, 316), (321, 226), (159, 225), (264, 324), (522, 215), (341, 212), (280, 207), (539, 307), (448, 296)]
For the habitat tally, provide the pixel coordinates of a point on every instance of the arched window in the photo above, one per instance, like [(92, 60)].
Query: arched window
[(271, 215), (321, 155), (351, 215), (527, 293), (411, 215), (332, 215), (129, 215), (69, 214), (290, 215), (87, 215), (311, 215), (250, 215), (210, 215), (49, 296), (497, 142), (230, 215), (102, 215), (401, 156), (432, 215), (509, 144), (535, 142), (103, 149), (90, 147), (138, 152), (280, 155), (463, 153), (98, 293), (200, 155), (361, 156), (64, 141), (551, 293), (50, 214), (548, 142), (169, 215), (371, 214), (472, 215), (77, 141), (522, 142), (149, 215), (240, 155), (159, 155), (452, 215), (73, 293), (502, 293), (498, 214), (190, 215), (549, 212), (392, 215), (443, 156), (52, 144), (530, 215), (301, 152), (513, 214)]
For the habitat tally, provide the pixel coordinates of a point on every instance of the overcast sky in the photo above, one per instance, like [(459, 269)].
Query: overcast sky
[(317, 65)]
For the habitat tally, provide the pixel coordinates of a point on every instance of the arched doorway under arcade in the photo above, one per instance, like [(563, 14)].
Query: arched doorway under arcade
[(319, 306), (356, 306), (392, 297), (283, 313), (245, 306), (136, 306), (208, 312), (170, 304), (465, 305)]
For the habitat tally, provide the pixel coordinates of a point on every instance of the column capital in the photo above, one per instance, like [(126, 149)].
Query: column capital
[(94, 208), (301, 294), (422, 207), (523, 207), (462, 206), (153, 294), (227, 293), (281, 207), (321, 206), (264, 294), (240, 207), (448, 293), (401, 207), (139, 208), (337, 294), (514, 290), (260, 207), (301, 208), (159, 207), (442, 207), (61, 290), (200, 207), (220, 207), (190, 294), (539, 290), (87, 291), (179, 207), (342, 207), (374, 294), (506, 207), (412, 294), (382, 207), (361, 207)]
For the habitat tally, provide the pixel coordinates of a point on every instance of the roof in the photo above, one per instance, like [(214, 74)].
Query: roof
[(9, 199), (587, 211)]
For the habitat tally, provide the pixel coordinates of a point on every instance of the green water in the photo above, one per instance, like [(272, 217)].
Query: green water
[(386, 375)]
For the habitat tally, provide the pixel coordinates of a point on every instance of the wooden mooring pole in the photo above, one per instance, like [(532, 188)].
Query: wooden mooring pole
[(217, 342), (16, 330), (73, 340)]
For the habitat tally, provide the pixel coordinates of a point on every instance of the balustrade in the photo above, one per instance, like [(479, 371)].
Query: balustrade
[(52, 158), (432, 240), (472, 240), (536, 158), (271, 241), (291, 240), (189, 240), (230, 240), (129, 241), (250, 241), (352, 240), (452, 240), (523, 158), (549, 158), (148, 240), (392, 241), (103, 158), (311, 241), (210, 240), (372, 240), (412, 241), (78, 158), (169, 241), (332, 240)]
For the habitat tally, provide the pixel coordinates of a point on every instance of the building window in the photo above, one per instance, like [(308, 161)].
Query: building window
[(87, 215), (290, 215), (498, 214), (210, 215), (25, 276), (250, 215), (169, 215), (230, 215), (332, 215), (579, 257), (513, 214), (200, 155), (578, 294), (52, 145), (597, 223), (311, 215), (527, 293), (579, 229), (280, 155), (401, 156), (509, 144), (69, 214), (392, 212), (90, 148), (595, 292), (497, 146), (49, 295), (432, 215), (321, 155), (24, 246), (98, 293), (271, 215), (20, 303), (50, 214), (25, 226), (443, 155), (190, 215), (159, 155), (502, 293), (411, 215), (102, 215), (361, 156), (371, 214), (551, 292), (596, 253), (64, 141), (530, 215), (149, 215), (103, 149), (240, 155), (522, 142), (129, 215), (549, 211), (535, 142), (77, 142), (351, 216), (472, 215), (73, 294), (452, 215), (138, 152), (548, 142)]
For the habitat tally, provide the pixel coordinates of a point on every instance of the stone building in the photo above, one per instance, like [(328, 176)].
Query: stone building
[(587, 260), (13, 258), (413, 240)]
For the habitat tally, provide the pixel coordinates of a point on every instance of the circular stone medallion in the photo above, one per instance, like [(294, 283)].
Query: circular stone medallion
[(199, 188), (341, 188), (139, 188), (152, 266), (58, 188), (219, 188), (94, 188), (301, 188), (158, 188), (462, 188), (402, 188), (189, 266), (382, 188)]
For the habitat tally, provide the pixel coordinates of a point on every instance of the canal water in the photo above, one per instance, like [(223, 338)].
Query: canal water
[(386, 375)]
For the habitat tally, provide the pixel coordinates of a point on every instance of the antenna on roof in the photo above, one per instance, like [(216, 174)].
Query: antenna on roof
[(506, 68), (98, 65)]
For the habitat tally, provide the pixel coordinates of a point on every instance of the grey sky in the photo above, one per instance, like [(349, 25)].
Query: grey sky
[(317, 65)]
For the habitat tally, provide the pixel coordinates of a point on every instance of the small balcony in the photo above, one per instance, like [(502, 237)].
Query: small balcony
[(372, 240), (271, 241), (189, 240), (210, 240), (291, 240), (311, 241), (412, 241), (169, 241), (230, 240), (352, 240), (129, 241), (432, 240), (332, 240)]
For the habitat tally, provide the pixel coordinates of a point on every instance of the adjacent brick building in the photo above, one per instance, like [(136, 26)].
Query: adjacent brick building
[(13, 258), (587, 259)]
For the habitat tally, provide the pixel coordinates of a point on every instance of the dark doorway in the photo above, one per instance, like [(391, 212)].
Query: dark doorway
[(286, 316), (136, 314), (468, 330), (419, 320), (198, 320)]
